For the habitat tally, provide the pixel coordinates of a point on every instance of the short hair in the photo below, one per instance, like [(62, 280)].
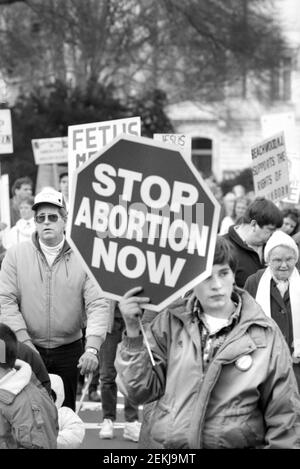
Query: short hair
[(8, 336), (224, 254), (62, 175), (19, 182), (264, 212)]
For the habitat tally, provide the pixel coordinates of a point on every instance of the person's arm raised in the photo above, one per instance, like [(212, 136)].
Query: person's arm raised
[(131, 307)]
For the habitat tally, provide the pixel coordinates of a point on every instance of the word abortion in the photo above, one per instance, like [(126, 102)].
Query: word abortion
[(166, 231)]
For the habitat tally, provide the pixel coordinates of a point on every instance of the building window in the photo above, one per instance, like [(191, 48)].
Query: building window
[(202, 155)]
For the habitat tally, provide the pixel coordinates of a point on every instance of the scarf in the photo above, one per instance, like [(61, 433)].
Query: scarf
[(263, 297)]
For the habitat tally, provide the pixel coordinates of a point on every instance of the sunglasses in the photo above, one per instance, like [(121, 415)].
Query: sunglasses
[(53, 217)]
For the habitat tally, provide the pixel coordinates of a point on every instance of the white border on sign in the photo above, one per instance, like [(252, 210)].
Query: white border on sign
[(214, 228)]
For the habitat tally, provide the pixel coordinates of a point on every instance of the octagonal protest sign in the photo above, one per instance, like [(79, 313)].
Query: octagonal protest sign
[(143, 216)]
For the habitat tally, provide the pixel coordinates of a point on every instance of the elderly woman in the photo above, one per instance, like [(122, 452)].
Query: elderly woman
[(277, 290)]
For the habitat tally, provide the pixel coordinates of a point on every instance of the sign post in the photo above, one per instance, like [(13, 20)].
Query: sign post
[(141, 215)]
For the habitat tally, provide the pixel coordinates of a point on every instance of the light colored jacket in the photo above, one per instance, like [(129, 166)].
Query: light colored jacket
[(71, 427), (50, 305), (227, 407), (28, 416)]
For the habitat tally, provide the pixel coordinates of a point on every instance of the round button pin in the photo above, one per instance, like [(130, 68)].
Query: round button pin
[(244, 363)]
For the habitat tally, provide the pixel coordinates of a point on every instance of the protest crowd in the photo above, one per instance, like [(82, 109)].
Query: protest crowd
[(217, 368)]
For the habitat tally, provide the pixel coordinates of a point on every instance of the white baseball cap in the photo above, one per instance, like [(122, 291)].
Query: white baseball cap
[(51, 197)]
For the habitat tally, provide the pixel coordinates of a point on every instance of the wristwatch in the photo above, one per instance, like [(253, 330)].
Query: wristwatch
[(92, 350)]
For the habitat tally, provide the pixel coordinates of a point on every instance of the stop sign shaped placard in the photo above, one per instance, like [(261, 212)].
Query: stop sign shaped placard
[(142, 216)]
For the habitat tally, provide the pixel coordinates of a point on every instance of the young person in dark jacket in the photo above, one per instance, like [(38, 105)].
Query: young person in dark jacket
[(222, 375), (247, 239)]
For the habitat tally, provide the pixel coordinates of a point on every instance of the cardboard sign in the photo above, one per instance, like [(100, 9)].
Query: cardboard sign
[(50, 150), (135, 222), (6, 140), (270, 168), (184, 142), (285, 122), (85, 140)]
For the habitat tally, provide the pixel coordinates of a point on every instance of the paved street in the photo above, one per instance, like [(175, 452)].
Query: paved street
[(91, 414)]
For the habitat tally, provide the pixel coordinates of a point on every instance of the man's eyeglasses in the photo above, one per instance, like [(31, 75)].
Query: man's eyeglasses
[(53, 217)]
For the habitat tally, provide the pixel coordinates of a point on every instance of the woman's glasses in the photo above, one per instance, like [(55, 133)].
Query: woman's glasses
[(53, 217)]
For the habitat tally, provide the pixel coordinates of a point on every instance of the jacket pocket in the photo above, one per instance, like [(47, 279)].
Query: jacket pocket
[(160, 423), (243, 427), (32, 436), (24, 436)]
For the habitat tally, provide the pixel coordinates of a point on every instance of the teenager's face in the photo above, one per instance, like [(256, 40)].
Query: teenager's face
[(214, 293)]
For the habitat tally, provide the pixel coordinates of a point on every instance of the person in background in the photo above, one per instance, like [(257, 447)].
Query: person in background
[(64, 187), (24, 227), (47, 298), (71, 430), (277, 290), (239, 210), (28, 416), (108, 384), (222, 374), (229, 201), (291, 219), (247, 239), (21, 189), (239, 190)]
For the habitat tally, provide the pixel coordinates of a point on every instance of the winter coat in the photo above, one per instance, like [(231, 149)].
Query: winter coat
[(280, 312), (28, 416), (71, 427), (228, 406), (50, 304), (248, 261)]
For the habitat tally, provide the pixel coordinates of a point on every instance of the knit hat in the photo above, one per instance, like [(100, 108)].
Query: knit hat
[(51, 197), (279, 238), (57, 387)]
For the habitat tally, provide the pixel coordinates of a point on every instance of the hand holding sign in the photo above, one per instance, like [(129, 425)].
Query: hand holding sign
[(131, 308)]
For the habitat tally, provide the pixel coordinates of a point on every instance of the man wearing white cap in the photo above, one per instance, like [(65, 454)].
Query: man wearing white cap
[(46, 297), (277, 290)]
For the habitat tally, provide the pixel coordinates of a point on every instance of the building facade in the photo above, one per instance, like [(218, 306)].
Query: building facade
[(223, 133)]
